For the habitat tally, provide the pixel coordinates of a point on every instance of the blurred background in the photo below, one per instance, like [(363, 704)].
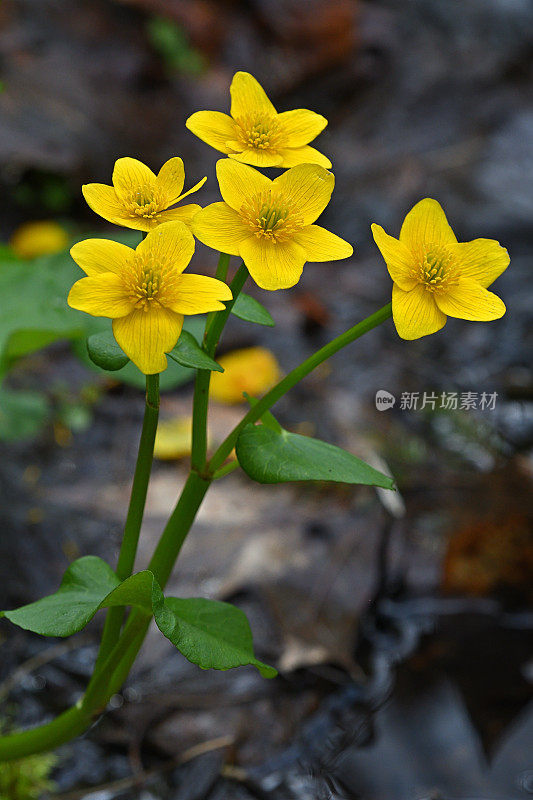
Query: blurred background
[(401, 624)]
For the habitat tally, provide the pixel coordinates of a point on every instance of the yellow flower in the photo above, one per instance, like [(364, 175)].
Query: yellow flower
[(38, 239), (269, 223), (144, 291), (253, 370), (435, 275), (139, 199), (255, 133)]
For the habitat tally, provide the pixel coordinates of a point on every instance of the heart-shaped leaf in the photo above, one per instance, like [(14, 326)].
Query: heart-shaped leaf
[(188, 353), (271, 456), (250, 310)]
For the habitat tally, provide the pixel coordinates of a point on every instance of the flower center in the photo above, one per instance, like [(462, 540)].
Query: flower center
[(144, 201), (269, 217), (437, 269), (257, 133), (149, 280)]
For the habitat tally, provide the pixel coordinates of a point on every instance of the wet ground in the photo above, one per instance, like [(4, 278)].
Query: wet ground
[(402, 632)]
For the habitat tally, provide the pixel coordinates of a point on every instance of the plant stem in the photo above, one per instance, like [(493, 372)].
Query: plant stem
[(293, 378), (213, 330), (132, 527)]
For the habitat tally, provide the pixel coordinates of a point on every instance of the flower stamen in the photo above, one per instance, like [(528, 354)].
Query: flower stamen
[(437, 270), (269, 217)]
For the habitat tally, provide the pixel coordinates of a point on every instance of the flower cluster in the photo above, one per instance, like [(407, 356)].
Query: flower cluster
[(270, 224)]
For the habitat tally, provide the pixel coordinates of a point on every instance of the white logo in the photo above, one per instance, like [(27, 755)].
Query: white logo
[(384, 400)]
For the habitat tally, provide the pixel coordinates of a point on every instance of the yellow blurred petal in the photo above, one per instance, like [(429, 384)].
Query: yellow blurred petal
[(306, 189), (415, 313), (258, 158), (426, 224), (253, 370), (482, 260), (239, 182), (173, 439), (145, 336), (248, 98), (322, 245), (170, 180), (197, 294), (104, 201), (171, 243), (102, 296), (212, 127), (129, 175), (38, 239), (398, 258), (273, 265), (96, 256), (220, 227), (292, 156), (183, 214), (300, 126), (469, 300)]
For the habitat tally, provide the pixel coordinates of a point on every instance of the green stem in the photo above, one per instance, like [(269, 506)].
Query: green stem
[(134, 518), (213, 330), (293, 378)]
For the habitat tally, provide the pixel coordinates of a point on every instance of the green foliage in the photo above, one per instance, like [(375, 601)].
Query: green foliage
[(27, 778), (250, 310), (22, 414), (104, 351), (188, 353), (268, 455), (170, 42), (208, 633)]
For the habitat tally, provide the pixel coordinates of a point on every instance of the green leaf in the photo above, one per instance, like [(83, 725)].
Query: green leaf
[(188, 353), (211, 634), (268, 456), (105, 352), (22, 414), (250, 310), (208, 633)]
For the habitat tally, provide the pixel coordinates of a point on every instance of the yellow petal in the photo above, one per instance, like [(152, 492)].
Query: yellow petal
[(170, 180), (220, 227), (212, 127), (469, 300), (184, 214), (258, 158), (191, 191), (322, 245), (104, 201), (171, 243), (239, 182), (306, 189), (173, 438), (34, 239), (426, 224), (482, 260), (273, 265), (300, 126), (129, 175), (292, 156), (248, 98), (253, 370), (95, 256), (415, 313), (145, 336), (398, 258), (197, 294), (102, 296)]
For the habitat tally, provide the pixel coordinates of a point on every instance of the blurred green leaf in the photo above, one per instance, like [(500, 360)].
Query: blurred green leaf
[(250, 310), (170, 41), (22, 414)]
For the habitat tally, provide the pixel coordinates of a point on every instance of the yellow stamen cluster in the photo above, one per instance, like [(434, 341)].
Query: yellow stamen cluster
[(437, 270), (148, 279), (270, 217), (145, 202), (258, 133)]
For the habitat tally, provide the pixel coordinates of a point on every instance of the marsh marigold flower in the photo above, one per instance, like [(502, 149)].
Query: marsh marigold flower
[(38, 239), (436, 276), (140, 199), (144, 291), (255, 133), (269, 224), (253, 370)]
